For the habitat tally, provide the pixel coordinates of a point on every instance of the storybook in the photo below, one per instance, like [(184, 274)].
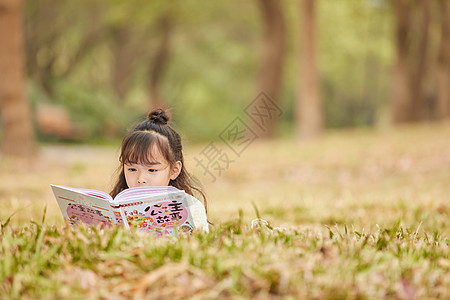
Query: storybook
[(159, 209)]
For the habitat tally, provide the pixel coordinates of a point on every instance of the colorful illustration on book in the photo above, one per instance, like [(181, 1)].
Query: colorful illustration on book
[(85, 214), (160, 217), (118, 217)]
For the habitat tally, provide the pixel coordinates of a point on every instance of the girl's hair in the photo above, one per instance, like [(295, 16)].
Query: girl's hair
[(137, 147)]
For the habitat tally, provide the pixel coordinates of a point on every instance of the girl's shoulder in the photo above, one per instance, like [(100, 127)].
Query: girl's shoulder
[(191, 200), (198, 212)]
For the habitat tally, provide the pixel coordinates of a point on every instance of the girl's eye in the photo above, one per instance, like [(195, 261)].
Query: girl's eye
[(152, 170), (131, 169)]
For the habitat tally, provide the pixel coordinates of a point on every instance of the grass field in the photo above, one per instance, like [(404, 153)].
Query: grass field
[(360, 214)]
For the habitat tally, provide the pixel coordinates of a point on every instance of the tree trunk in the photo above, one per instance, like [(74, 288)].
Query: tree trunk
[(271, 73), (160, 62), (18, 134), (123, 61), (420, 64), (443, 64), (309, 104), (412, 43), (401, 89)]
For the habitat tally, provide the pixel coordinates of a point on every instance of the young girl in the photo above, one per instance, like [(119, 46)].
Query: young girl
[(151, 155)]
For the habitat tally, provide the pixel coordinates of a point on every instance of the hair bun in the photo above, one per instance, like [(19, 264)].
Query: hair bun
[(158, 116)]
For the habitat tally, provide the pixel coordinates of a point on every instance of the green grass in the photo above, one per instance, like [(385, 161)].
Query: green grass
[(231, 261), (360, 214)]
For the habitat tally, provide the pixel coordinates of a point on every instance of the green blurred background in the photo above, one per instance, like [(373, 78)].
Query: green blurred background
[(213, 60), (95, 67)]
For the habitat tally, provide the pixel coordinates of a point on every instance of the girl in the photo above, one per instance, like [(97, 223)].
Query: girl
[(151, 155)]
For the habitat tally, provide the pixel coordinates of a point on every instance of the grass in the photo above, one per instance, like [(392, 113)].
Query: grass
[(360, 214), (230, 262)]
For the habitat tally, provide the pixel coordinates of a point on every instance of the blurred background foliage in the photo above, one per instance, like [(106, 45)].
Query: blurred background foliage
[(100, 65)]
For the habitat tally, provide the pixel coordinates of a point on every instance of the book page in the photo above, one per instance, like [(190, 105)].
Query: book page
[(144, 191), (88, 206), (162, 214)]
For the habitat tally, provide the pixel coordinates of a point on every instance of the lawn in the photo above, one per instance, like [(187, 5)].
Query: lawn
[(359, 214)]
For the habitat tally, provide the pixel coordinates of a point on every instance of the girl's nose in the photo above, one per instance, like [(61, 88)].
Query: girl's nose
[(142, 180)]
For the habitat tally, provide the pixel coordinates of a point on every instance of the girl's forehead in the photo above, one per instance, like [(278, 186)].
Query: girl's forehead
[(154, 154), (149, 155)]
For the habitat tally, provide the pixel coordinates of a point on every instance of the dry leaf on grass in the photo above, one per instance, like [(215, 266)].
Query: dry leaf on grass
[(405, 290), (172, 280), (85, 278)]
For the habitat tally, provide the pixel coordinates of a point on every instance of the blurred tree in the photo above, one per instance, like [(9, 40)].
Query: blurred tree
[(271, 73), (140, 43), (160, 61), (18, 134), (124, 57), (412, 45), (309, 121), (103, 60), (354, 40), (59, 35), (443, 63)]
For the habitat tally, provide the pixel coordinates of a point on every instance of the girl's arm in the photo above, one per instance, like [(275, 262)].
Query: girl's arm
[(198, 213)]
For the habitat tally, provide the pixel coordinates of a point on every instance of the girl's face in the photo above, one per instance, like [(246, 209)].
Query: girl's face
[(157, 173)]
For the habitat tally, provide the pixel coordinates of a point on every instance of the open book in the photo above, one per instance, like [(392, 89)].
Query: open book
[(162, 210)]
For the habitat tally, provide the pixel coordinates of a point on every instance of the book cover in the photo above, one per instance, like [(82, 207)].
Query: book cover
[(161, 210)]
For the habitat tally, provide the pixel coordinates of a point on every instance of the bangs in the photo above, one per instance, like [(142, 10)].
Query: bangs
[(139, 146)]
